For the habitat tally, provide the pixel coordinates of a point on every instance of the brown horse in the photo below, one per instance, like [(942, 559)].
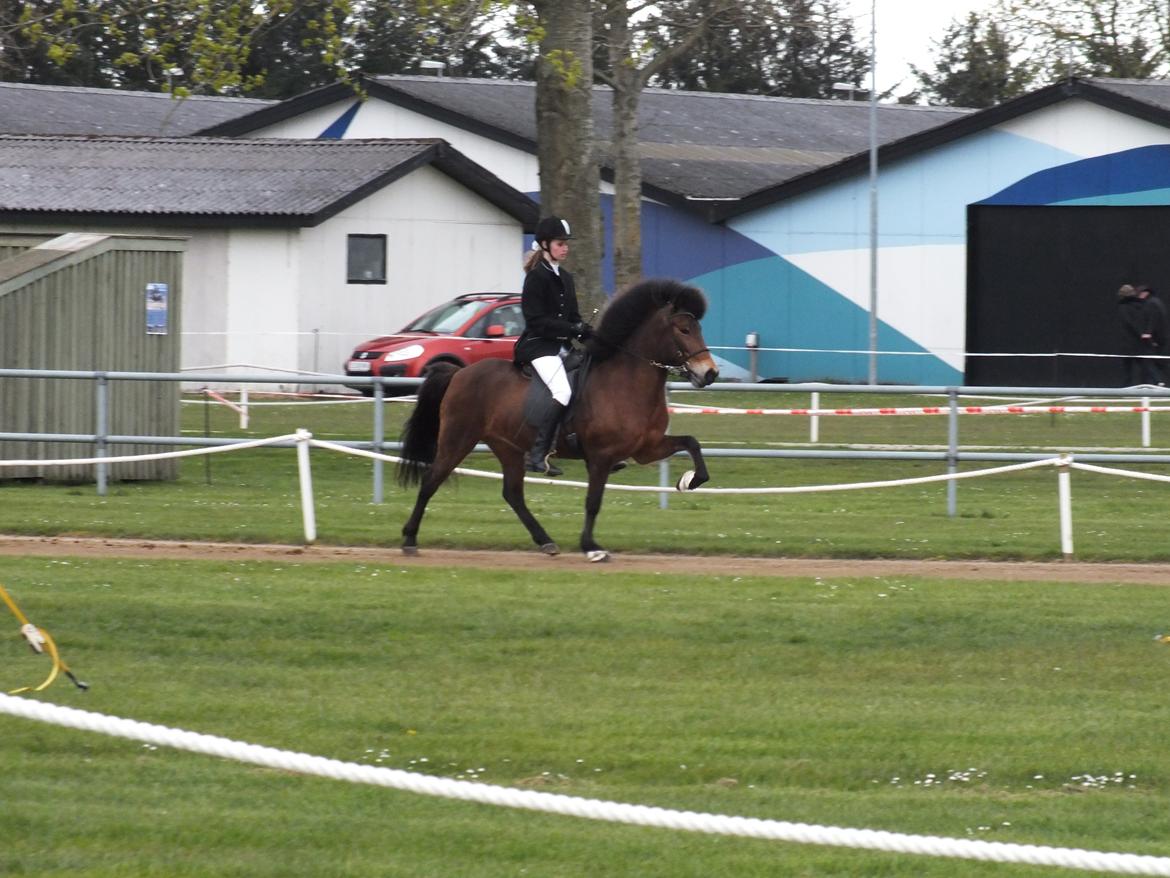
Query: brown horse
[(620, 412)]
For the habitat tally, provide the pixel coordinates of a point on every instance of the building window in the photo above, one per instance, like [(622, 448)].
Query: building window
[(366, 259)]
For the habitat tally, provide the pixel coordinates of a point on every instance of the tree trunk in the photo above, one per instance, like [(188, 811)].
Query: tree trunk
[(569, 176), (626, 154), (628, 80)]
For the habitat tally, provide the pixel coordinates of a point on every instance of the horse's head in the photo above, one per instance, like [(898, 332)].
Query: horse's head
[(657, 320), (693, 355)]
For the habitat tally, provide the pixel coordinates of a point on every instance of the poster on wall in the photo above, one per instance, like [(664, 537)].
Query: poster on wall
[(156, 308)]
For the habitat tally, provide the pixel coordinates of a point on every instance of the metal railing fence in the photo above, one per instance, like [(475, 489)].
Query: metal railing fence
[(102, 439)]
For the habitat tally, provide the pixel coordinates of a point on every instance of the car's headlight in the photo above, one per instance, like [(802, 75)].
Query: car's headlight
[(407, 353)]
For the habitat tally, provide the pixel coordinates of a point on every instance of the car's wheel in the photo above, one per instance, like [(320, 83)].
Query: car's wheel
[(454, 361)]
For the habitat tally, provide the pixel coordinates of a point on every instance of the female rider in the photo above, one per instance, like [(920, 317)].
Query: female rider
[(552, 319)]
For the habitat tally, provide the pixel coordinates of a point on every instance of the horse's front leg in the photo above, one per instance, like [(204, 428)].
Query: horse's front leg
[(512, 464), (598, 476), (670, 445)]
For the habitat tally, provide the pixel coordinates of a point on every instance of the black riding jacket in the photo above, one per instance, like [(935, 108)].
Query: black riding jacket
[(1141, 317), (549, 303)]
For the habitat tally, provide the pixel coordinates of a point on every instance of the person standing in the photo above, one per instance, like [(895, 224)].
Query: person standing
[(1144, 323), (552, 320), (1160, 328)]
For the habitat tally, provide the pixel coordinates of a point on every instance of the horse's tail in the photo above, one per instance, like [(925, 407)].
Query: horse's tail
[(420, 435)]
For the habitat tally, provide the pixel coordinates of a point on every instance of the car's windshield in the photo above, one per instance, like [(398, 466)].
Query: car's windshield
[(445, 318)]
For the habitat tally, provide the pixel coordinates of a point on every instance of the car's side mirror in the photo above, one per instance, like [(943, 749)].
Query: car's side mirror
[(496, 330)]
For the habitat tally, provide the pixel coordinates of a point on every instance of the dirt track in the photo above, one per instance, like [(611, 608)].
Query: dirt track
[(1058, 571)]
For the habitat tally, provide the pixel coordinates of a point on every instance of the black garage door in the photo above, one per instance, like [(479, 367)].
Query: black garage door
[(1044, 280)]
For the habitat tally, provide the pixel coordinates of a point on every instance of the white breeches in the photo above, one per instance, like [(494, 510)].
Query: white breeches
[(552, 372)]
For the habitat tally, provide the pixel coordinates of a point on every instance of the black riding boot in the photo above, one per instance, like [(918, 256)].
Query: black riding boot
[(546, 441)]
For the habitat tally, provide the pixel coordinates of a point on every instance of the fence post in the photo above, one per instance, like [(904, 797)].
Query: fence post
[(953, 452), (814, 422), (1064, 492), (243, 406), (1145, 422), (379, 438), (664, 464), (306, 477), (101, 431)]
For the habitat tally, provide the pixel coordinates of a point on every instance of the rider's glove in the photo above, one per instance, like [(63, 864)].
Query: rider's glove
[(583, 331)]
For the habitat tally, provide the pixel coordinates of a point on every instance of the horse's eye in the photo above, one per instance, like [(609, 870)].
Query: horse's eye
[(684, 330)]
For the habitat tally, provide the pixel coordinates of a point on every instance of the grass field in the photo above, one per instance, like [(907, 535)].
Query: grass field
[(1029, 713), (1003, 711)]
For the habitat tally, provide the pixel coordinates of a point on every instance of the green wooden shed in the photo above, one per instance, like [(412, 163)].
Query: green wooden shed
[(92, 303)]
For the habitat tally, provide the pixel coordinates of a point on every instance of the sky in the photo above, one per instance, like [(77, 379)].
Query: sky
[(905, 29)]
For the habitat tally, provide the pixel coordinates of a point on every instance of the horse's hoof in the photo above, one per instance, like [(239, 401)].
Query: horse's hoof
[(410, 550), (550, 549), (684, 481), (596, 555)]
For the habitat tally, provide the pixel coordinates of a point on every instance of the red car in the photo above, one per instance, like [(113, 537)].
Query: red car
[(469, 328)]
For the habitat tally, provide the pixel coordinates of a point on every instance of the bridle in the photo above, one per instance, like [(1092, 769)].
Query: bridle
[(683, 356)]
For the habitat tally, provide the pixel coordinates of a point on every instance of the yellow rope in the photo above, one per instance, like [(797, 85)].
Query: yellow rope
[(38, 640)]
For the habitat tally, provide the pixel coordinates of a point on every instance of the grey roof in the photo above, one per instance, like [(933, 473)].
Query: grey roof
[(275, 181), (1155, 92), (51, 109), (695, 145)]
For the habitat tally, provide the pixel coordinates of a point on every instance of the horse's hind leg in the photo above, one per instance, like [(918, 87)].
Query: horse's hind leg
[(426, 490), (450, 453), (512, 464)]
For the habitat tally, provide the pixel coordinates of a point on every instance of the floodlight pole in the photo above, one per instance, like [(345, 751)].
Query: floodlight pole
[(873, 197)]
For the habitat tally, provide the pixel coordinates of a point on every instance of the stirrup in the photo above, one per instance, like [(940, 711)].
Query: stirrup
[(545, 467)]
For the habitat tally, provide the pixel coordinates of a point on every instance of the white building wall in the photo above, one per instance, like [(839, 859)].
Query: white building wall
[(205, 297), (377, 119), (261, 317), (441, 241)]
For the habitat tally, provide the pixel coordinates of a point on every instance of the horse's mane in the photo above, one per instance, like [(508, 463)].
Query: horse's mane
[(630, 308)]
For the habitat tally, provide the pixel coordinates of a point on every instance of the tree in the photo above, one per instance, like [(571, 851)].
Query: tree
[(628, 75), (976, 66), (565, 148), (473, 39), (184, 46), (297, 51), (794, 48), (1111, 38)]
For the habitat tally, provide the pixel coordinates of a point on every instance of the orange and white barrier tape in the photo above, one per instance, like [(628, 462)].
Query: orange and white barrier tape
[(928, 410)]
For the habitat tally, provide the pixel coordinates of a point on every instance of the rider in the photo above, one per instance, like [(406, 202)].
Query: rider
[(552, 320)]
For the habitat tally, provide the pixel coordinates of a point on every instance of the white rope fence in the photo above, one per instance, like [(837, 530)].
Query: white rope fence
[(658, 489), (304, 440), (161, 455), (590, 809)]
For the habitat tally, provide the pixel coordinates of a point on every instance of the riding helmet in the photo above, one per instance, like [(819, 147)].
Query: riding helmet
[(552, 228)]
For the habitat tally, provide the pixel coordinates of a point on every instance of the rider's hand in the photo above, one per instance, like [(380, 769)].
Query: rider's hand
[(583, 331)]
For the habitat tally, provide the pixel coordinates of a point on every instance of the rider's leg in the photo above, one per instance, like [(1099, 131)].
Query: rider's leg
[(552, 372)]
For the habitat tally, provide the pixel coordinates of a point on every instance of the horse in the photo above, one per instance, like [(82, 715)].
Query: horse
[(619, 413)]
